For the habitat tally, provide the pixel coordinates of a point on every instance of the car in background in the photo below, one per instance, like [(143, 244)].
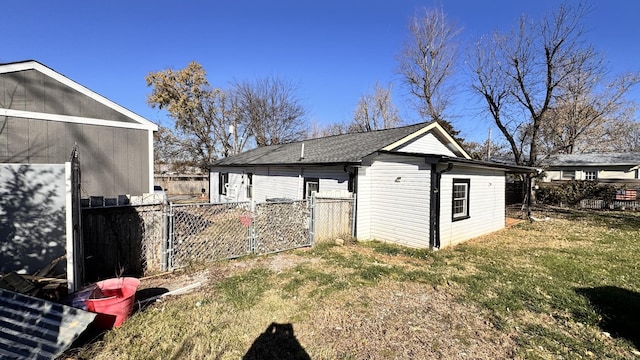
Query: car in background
[(158, 190)]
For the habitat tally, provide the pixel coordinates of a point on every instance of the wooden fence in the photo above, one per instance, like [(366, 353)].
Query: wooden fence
[(333, 218), (122, 240), (597, 204)]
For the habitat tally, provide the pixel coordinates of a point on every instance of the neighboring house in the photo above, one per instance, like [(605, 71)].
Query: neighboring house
[(599, 166), (415, 185), (43, 114)]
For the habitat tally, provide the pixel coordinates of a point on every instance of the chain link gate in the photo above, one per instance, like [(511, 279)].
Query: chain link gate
[(208, 232)]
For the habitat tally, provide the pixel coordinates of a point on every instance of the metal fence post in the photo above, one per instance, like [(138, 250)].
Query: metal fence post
[(168, 240), (165, 237)]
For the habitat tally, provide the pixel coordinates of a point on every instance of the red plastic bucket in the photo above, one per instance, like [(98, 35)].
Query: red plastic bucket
[(114, 302)]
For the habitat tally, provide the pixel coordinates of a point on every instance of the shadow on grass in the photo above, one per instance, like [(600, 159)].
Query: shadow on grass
[(146, 297), (619, 310), (277, 342), (622, 220)]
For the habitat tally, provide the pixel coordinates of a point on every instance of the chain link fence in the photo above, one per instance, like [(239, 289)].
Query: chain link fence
[(205, 232), (146, 239), (281, 226)]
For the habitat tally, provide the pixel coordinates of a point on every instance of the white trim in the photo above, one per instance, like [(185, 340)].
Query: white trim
[(72, 119), (34, 65), (432, 126), (71, 280), (151, 162)]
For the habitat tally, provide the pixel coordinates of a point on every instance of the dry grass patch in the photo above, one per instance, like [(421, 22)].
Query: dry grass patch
[(403, 321), (564, 288)]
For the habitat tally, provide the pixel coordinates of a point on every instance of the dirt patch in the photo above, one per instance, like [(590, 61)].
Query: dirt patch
[(217, 271)]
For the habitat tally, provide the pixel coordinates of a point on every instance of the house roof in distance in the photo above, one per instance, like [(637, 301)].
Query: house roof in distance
[(594, 159), (345, 148)]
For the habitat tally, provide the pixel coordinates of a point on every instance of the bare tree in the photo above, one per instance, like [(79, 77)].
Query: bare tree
[(623, 135), (202, 114), (583, 112), (318, 131), (167, 151), (427, 62), (375, 111), (486, 150), (542, 69), (271, 109)]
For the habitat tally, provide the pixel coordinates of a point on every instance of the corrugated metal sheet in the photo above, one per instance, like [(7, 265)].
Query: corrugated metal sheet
[(32, 328)]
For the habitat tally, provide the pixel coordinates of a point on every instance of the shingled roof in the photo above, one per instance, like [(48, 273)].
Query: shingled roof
[(596, 159), (346, 148)]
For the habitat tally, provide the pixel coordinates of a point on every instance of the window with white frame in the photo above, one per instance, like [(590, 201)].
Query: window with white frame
[(590, 175), (460, 201)]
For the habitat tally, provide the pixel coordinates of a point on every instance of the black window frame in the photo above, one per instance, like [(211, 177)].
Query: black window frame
[(249, 185), (466, 214), (306, 182), (223, 179)]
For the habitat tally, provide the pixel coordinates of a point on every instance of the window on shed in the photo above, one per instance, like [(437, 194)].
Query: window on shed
[(568, 174), (460, 202), (590, 175), (249, 185), (223, 181), (311, 185)]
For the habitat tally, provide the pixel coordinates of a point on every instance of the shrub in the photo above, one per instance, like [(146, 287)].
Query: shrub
[(571, 192)]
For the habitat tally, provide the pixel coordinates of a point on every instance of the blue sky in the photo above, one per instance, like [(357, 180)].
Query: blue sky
[(335, 50)]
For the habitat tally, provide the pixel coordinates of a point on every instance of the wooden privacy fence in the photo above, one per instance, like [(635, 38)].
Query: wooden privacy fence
[(123, 240), (333, 218)]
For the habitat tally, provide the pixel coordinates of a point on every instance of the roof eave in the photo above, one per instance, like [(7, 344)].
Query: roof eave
[(297, 164), (35, 65), (435, 158)]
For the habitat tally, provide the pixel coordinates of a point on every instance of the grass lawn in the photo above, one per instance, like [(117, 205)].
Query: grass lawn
[(566, 288)]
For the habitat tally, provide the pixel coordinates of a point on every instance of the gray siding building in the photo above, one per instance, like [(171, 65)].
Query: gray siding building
[(43, 114)]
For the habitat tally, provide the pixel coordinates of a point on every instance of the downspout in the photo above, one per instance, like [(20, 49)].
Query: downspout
[(434, 231)]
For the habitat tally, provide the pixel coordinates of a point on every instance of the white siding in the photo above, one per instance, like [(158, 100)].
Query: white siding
[(427, 144), (276, 182), (552, 175), (236, 189), (213, 187), (617, 173), (331, 179), (363, 204), (610, 172), (486, 205), (393, 201)]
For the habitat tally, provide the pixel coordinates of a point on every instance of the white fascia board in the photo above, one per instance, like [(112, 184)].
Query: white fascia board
[(151, 162), (432, 126), (72, 119), (29, 65)]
